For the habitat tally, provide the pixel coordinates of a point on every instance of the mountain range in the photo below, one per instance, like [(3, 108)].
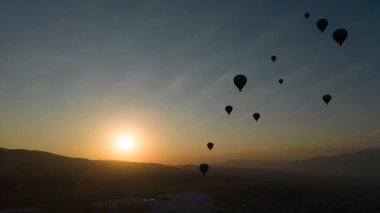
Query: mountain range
[(362, 163), (35, 179), (19, 163)]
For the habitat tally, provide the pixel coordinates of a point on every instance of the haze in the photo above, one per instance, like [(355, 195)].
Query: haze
[(74, 75)]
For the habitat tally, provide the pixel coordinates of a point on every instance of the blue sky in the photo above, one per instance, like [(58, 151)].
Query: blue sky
[(75, 73)]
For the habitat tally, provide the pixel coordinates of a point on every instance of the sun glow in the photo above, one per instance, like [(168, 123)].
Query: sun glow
[(125, 142)]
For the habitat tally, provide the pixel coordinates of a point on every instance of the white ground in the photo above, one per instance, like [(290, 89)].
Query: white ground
[(187, 202)]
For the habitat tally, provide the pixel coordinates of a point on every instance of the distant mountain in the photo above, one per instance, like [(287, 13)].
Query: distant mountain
[(41, 180), (19, 164), (361, 163)]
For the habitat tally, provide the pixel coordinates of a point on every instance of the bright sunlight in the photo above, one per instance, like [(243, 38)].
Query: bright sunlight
[(125, 142)]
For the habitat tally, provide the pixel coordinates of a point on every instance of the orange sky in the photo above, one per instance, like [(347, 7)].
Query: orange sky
[(76, 75)]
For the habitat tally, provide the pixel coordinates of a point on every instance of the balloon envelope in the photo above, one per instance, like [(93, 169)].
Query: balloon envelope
[(256, 116), (281, 80), (322, 24), (210, 145), (240, 81), (228, 109), (326, 98), (340, 35), (203, 167), (307, 15), (273, 58)]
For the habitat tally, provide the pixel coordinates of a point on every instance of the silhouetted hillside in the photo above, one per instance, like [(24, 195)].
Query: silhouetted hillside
[(362, 163), (36, 165), (34, 179)]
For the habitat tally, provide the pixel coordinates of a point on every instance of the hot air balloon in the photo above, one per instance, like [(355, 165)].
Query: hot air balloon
[(228, 109), (326, 98), (210, 145), (240, 81), (280, 80), (322, 24), (306, 15), (273, 58), (203, 167), (256, 116), (340, 35)]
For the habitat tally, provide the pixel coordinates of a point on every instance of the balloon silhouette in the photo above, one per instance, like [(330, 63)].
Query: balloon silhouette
[(280, 80), (203, 167), (256, 116), (340, 35), (228, 109), (210, 145), (326, 98), (322, 24), (273, 58), (306, 15), (240, 81)]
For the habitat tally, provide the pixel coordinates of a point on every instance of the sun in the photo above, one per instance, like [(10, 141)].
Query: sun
[(125, 142)]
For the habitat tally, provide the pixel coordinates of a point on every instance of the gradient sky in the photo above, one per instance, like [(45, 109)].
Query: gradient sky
[(75, 74)]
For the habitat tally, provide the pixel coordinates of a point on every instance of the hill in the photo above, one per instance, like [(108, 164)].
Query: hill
[(361, 163), (54, 183), (37, 165)]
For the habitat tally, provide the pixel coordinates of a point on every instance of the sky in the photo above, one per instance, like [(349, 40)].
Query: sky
[(75, 75)]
